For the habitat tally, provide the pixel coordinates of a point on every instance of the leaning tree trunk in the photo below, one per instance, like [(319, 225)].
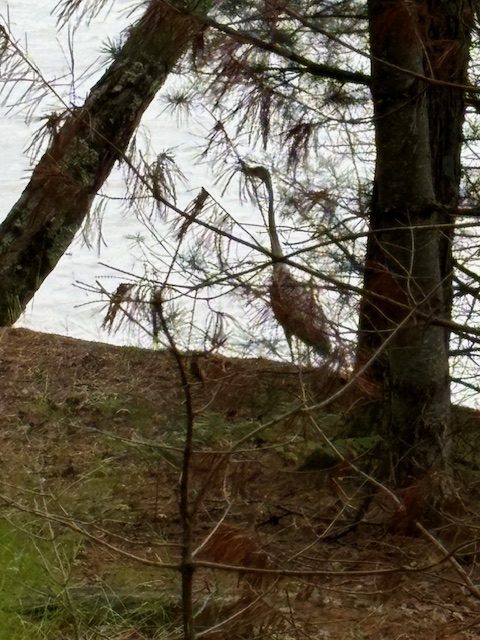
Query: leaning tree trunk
[(407, 276), (42, 224)]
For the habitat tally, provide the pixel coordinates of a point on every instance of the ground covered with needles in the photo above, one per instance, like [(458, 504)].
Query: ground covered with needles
[(92, 443)]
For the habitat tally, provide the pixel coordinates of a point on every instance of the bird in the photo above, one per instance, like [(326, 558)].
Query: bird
[(294, 303)]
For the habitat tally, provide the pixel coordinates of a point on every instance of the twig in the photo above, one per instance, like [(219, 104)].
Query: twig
[(186, 517), (475, 591)]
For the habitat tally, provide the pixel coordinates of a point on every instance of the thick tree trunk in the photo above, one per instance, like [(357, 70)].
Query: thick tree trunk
[(43, 222), (450, 28), (407, 276)]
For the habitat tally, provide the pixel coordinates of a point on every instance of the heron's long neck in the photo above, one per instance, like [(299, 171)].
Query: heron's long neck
[(276, 247)]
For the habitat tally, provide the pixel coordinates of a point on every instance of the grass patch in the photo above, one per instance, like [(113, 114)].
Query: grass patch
[(42, 597), (30, 575)]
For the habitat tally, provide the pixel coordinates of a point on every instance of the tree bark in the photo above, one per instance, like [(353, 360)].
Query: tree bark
[(418, 138), (44, 221)]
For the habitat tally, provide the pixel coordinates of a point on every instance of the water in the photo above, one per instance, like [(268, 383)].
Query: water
[(60, 306)]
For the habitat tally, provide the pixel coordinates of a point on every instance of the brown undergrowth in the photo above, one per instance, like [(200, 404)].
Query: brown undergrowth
[(91, 449)]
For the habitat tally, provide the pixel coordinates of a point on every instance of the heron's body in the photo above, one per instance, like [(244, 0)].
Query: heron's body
[(297, 309)]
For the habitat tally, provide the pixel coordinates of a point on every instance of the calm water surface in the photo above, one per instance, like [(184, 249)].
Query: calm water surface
[(60, 306)]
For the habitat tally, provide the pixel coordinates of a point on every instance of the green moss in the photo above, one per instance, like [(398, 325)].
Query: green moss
[(322, 458)]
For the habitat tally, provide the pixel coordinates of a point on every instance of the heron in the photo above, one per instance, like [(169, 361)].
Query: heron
[(294, 303)]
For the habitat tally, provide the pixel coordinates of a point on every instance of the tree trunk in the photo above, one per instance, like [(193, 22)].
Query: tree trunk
[(450, 29), (44, 221), (407, 276)]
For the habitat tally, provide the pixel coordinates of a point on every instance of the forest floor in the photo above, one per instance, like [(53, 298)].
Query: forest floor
[(92, 443)]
